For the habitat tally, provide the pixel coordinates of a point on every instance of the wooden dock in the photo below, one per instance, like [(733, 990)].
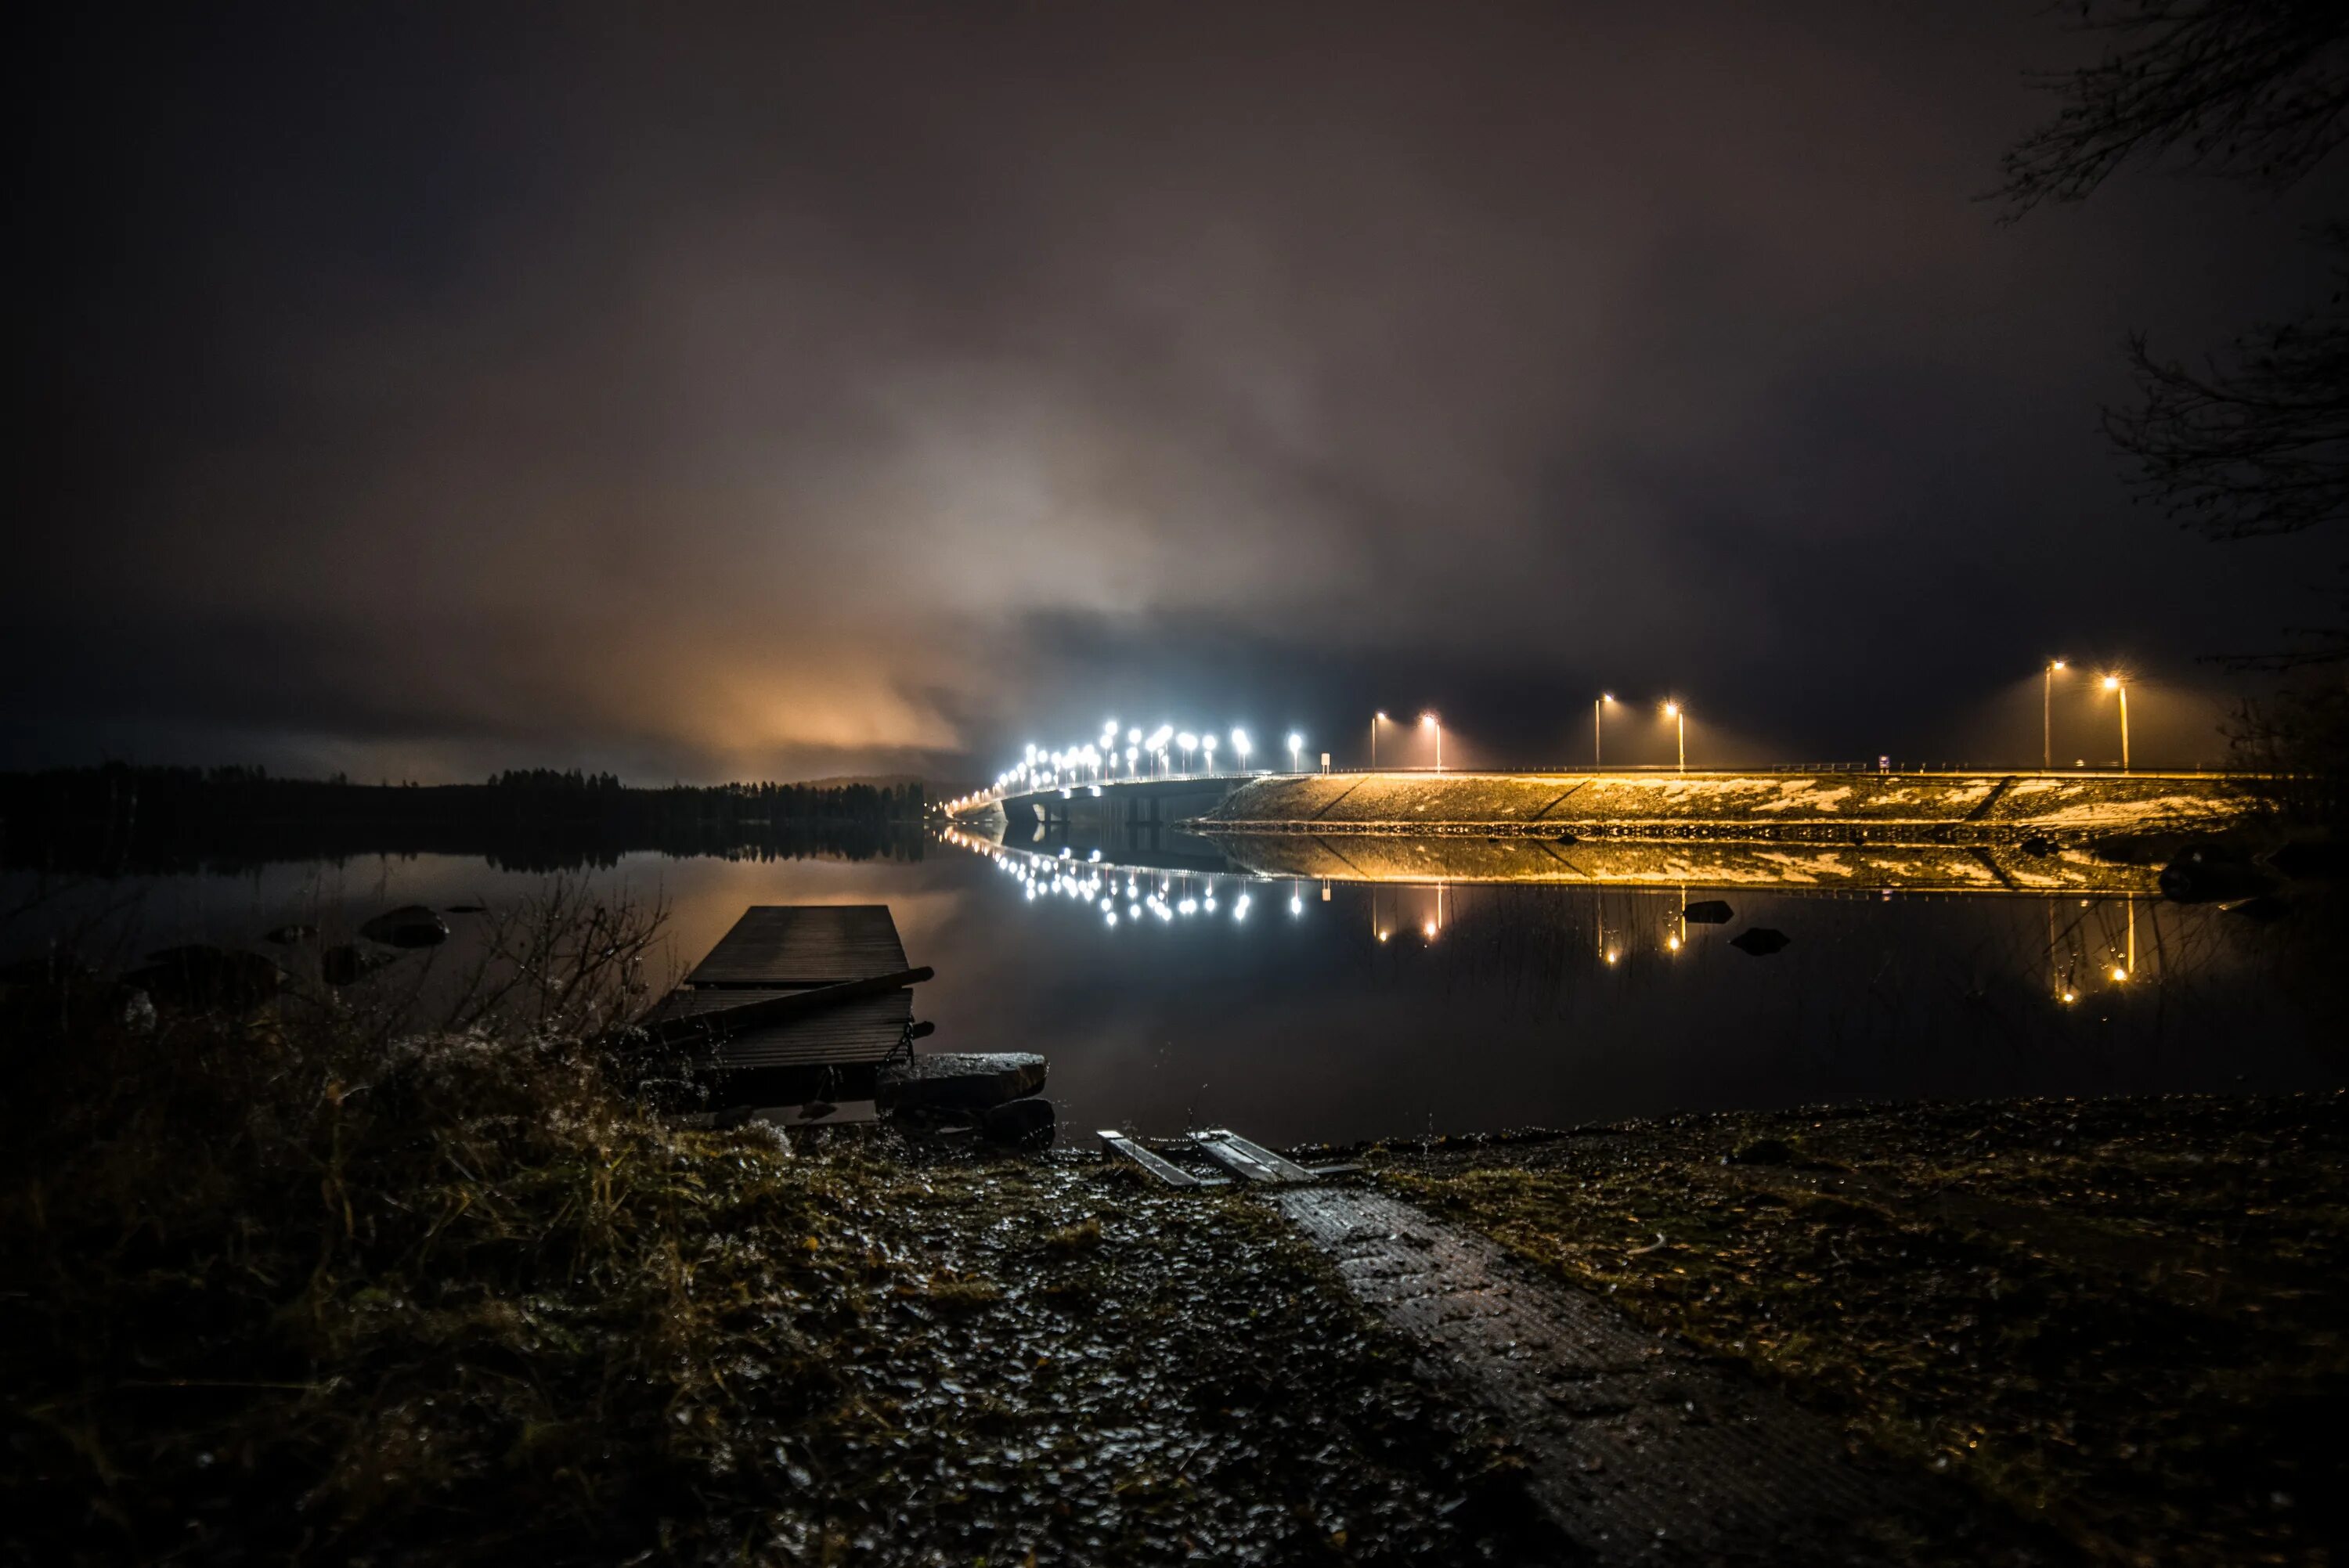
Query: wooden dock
[(798, 1004)]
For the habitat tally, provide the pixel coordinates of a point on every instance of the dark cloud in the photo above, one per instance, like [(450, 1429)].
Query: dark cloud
[(707, 391)]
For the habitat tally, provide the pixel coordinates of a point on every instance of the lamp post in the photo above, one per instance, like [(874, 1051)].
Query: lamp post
[(1429, 721), (1376, 719), (1679, 716), (2047, 714), (2115, 685), (1207, 745), (1296, 744), (1602, 700), (1189, 743), (1241, 746)]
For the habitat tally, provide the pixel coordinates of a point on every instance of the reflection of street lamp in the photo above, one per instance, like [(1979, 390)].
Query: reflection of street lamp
[(1679, 714), (1241, 746), (2115, 684), (1189, 743), (2047, 714), (1376, 719), (1603, 699), (1429, 721), (1207, 745)]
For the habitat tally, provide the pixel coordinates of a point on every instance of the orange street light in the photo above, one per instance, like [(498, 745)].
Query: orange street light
[(1429, 721)]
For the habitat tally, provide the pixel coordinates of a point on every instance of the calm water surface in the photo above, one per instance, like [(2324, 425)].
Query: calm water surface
[(1171, 991)]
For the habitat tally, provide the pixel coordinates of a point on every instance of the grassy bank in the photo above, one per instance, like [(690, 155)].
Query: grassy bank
[(2124, 1318), (294, 1286)]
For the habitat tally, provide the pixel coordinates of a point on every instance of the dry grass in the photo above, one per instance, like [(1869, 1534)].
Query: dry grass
[(298, 1286), (2122, 1318)]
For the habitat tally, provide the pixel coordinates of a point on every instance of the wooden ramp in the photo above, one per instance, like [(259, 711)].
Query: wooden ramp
[(754, 1012), (1220, 1157)]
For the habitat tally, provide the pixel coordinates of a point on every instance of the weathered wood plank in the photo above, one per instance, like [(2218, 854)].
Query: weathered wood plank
[(1125, 1148), (1249, 1159)]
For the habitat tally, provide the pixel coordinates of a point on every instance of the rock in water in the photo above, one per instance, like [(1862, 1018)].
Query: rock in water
[(287, 936), (2215, 873), (1760, 941), (208, 979), (1707, 912), (1019, 1124), (2039, 844), (959, 1081), (410, 925), (345, 964)]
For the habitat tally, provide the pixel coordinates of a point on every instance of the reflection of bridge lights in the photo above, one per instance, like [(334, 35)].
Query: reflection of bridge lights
[(1208, 903), (1382, 935), (1295, 905), (1428, 930), (1134, 910), (1240, 907), (1671, 944), (1612, 954), (2071, 995), (1111, 917), (2119, 974)]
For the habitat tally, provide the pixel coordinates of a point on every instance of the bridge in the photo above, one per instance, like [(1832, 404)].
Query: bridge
[(1110, 803), (1801, 804)]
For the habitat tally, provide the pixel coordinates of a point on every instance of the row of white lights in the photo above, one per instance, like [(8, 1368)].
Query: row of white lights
[(1143, 755)]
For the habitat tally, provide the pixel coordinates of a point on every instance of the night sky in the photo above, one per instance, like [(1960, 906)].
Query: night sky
[(705, 392)]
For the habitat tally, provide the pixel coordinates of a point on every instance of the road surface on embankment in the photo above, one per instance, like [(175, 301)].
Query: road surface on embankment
[(1791, 808)]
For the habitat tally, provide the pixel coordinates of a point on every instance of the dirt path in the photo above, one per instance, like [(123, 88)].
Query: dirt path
[(1641, 1451)]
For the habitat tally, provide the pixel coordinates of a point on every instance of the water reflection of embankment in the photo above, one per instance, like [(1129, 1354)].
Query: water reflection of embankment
[(1934, 868)]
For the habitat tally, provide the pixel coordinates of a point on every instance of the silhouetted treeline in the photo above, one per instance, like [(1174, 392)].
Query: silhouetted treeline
[(117, 819)]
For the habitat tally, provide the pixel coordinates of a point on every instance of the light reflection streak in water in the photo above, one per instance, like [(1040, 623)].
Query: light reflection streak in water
[(2094, 951)]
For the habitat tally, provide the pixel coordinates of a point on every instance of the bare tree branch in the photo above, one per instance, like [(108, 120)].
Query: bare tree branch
[(2257, 448), (2255, 90)]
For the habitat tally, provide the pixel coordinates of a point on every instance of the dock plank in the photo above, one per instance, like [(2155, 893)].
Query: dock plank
[(1250, 1160), (1174, 1175)]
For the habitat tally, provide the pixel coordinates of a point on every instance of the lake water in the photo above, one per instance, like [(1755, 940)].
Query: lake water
[(1173, 989)]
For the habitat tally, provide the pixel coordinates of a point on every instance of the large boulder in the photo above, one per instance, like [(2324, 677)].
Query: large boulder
[(959, 1081), (1707, 912), (410, 925)]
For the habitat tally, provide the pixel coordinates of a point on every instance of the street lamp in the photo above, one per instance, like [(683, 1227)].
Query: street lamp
[(2115, 685), (1207, 745), (1376, 719), (2047, 714), (1296, 746), (1241, 746), (1429, 721), (1679, 716), (1604, 698), (1189, 743)]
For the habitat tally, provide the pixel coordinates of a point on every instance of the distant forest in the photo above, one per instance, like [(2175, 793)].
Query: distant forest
[(117, 819)]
